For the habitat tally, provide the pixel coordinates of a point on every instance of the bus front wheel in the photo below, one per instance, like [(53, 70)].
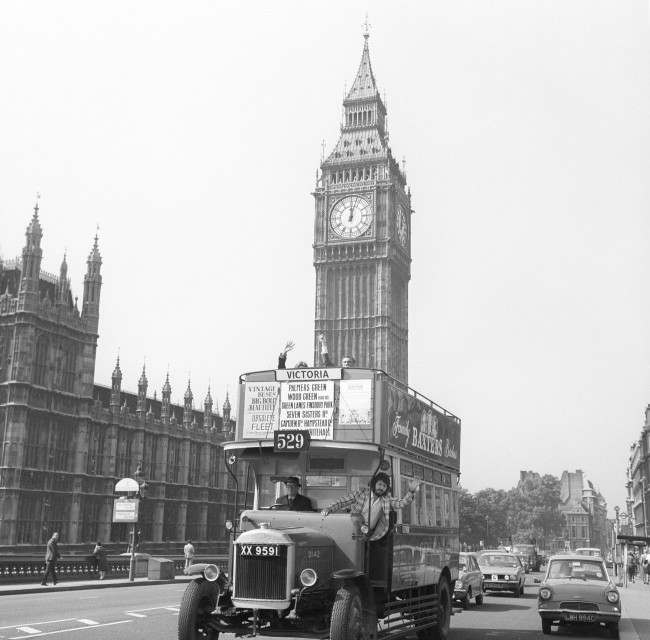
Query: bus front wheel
[(348, 620), (197, 604)]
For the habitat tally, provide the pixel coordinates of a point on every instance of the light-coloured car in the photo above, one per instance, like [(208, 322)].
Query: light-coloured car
[(470, 581), (577, 590), (590, 551), (502, 572)]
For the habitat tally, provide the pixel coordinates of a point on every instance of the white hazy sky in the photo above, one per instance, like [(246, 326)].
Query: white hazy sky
[(191, 132)]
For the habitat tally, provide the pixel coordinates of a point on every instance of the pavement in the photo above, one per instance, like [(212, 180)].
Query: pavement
[(635, 621), (80, 585)]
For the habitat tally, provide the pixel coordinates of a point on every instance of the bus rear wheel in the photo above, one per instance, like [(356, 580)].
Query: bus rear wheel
[(348, 619), (440, 631)]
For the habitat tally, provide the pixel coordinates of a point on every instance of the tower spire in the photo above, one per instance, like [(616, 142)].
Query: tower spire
[(364, 85)]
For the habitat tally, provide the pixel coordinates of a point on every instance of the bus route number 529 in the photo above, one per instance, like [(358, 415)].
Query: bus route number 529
[(291, 440)]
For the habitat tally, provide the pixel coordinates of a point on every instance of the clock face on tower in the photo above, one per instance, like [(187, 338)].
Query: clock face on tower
[(401, 225), (351, 217)]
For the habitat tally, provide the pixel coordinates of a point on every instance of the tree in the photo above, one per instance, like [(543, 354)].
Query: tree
[(534, 514)]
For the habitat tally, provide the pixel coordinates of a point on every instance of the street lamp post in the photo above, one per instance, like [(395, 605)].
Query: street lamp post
[(487, 532), (125, 509)]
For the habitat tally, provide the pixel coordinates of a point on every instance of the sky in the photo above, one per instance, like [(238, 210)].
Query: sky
[(190, 133)]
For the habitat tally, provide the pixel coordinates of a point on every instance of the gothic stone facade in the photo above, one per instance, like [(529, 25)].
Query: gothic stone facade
[(67, 441), (362, 239), (585, 514)]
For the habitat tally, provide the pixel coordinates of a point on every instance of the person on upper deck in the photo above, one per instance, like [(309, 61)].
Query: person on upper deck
[(377, 501), (346, 361), (282, 358)]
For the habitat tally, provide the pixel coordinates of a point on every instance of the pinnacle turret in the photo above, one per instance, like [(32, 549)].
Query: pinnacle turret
[(226, 413), (142, 392), (187, 411), (92, 288), (166, 399), (116, 389), (207, 410), (31, 263)]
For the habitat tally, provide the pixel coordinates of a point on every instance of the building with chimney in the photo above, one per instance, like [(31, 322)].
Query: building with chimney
[(66, 440), (584, 510)]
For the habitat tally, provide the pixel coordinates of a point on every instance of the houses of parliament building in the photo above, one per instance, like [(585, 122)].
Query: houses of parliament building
[(66, 441)]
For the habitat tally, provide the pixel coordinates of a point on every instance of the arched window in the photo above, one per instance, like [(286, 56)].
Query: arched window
[(40, 360)]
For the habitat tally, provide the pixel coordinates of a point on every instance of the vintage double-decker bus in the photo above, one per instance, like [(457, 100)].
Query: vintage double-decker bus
[(315, 574)]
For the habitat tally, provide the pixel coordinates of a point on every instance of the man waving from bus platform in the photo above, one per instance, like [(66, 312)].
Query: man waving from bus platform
[(378, 502)]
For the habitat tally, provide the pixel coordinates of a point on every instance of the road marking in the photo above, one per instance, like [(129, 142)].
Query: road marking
[(28, 630), (174, 609), (135, 615), (16, 626), (163, 606), (86, 621), (51, 633)]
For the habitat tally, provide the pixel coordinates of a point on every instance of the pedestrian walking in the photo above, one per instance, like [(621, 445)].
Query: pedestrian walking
[(100, 559), (188, 550), (645, 565), (631, 566), (51, 557)]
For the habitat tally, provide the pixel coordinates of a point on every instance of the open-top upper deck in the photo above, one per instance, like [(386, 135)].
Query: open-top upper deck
[(347, 405)]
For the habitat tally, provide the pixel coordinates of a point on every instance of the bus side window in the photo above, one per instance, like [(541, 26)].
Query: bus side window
[(438, 501), (431, 513), (407, 516)]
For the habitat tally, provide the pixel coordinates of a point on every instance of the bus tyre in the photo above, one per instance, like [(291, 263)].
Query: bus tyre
[(348, 620), (199, 601), (440, 631), (546, 627)]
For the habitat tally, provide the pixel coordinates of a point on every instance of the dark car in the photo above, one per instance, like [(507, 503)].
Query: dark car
[(502, 571), (470, 581), (577, 590)]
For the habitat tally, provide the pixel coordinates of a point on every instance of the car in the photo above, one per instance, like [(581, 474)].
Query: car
[(577, 590), (470, 581), (502, 572)]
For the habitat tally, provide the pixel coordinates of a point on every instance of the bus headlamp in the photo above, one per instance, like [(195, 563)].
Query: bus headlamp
[(211, 572), (308, 577), (545, 593), (229, 525), (365, 529)]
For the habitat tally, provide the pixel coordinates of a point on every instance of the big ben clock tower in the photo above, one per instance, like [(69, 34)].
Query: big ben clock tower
[(362, 238)]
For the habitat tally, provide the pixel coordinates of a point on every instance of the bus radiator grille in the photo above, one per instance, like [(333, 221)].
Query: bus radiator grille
[(261, 577)]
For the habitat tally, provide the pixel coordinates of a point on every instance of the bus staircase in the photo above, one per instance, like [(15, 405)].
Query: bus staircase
[(405, 616)]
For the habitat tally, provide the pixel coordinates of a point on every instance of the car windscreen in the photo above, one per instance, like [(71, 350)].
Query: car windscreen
[(579, 569), (498, 560)]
